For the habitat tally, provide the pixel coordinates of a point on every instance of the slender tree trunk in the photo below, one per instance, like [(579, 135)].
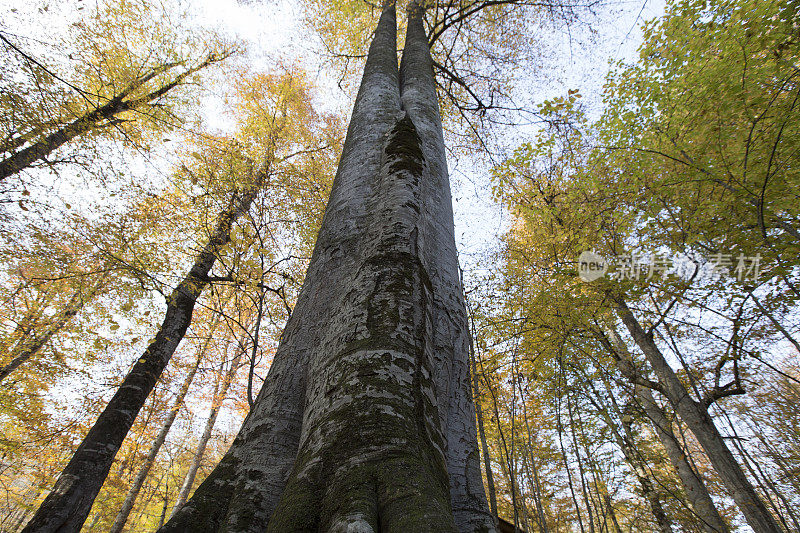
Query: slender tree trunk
[(701, 424), (506, 462), (95, 520), (512, 458), (216, 404), (600, 489), (627, 446), (487, 460), (365, 421), (784, 472), (537, 491), (164, 507), (28, 347), (19, 514), (581, 470), (758, 473), (694, 486), (560, 430), (66, 507), (612, 513), (254, 349), (646, 479), (138, 482)]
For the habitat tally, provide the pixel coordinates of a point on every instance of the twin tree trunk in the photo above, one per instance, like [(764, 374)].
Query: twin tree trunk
[(365, 421)]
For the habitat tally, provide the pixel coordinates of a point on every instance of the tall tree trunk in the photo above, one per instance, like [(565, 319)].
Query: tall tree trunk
[(506, 462), (66, 507), (612, 513), (216, 403), (537, 489), (164, 507), (144, 470), (627, 445), (365, 421), (696, 417), (694, 486), (581, 470), (512, 456), (560, 431)]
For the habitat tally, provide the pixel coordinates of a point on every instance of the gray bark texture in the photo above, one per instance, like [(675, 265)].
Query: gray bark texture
[(365, 422), (697, 419)]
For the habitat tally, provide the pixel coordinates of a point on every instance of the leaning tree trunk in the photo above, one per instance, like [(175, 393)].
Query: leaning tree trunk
[(365, 421), (29, 346), (66, 507), (627, 444), (697, 419), (101, 117), (138, 482)]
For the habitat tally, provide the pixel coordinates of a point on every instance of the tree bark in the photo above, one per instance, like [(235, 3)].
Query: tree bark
[(694, 486), (365, 421), (702, 426), (66, 507)]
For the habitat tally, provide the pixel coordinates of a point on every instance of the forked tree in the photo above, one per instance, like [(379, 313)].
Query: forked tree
[(365, 421)]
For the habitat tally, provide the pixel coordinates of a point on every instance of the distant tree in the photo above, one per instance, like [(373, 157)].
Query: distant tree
[(272, 146), (118, 75)]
